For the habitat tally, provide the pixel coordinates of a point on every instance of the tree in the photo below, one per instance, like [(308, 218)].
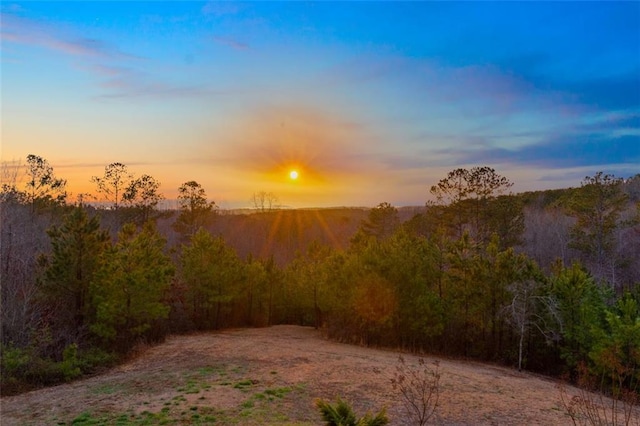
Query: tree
[(381, 223), (527, 311), (597, 206), (374, 304), (579, 305), (462, 294), (409, 263), (130, 286), (546, 236), (616, 351), (114, 183), (211, 271), (195, 210), (9, 193), (76, 248), (307, 280), (143, 194), (42, 185), (255, 289), (264, 201), (469, 198)]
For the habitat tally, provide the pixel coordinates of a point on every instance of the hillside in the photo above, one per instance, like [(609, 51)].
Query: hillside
[(272, 376)]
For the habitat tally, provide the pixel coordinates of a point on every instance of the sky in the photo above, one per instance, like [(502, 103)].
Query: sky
[(369, 102)]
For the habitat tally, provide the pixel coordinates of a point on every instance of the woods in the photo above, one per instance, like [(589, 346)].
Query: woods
[(544, 281)]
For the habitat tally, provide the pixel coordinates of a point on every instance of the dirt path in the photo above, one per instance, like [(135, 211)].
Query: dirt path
[(272, 376)]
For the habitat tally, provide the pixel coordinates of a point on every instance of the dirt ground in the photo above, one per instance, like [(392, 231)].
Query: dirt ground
[(273, 376)]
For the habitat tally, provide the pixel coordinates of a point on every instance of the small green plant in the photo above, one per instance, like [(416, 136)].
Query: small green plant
[(70, 365), (342, 414)]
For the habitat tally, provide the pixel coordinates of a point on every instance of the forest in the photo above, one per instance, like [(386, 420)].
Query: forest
[(547, 281)]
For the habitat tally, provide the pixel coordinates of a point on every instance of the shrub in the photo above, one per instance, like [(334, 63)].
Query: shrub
[(341, 414), (419, 388), (23, 369)]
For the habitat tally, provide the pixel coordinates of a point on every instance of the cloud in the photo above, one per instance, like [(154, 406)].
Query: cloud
[(563, 151), (120, 75), (29, 32), (123, 88), (229, 42)]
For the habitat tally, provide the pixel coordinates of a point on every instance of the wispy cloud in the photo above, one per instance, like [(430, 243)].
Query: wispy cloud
[(24, 31), (234, 44), (131, 89), (559, 151), (119, 74)]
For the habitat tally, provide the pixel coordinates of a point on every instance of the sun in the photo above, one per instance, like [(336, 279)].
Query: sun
[(293, 174)]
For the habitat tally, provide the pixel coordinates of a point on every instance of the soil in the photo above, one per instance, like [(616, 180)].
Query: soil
[(274, 376)]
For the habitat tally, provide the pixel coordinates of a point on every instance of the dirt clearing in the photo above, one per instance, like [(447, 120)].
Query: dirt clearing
[(272, 376)]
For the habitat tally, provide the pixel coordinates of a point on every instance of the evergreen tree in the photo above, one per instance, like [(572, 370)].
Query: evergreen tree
[(473, 200), (195, 210), (580, 308), (597, 206), (76, 248), (143, 195), (616, 350), (130, 286), (42, 185), (212, 273), (381, 222), (114, 183)]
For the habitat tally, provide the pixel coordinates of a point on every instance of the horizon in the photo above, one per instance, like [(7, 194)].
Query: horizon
[(366, 102)]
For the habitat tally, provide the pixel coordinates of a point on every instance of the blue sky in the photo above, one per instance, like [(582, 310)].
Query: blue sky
[(370, 101)]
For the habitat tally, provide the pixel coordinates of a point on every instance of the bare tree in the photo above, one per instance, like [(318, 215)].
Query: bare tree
[(264, 201), (9, 175), (22, 237), (419, 388), (523, 313), (547, 235)]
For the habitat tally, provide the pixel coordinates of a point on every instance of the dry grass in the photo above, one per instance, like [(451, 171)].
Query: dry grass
[(273, 376)]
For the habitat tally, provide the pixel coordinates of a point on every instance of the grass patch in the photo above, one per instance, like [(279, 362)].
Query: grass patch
[(244, 384), (194, 416), (261, 405), (107, 389)]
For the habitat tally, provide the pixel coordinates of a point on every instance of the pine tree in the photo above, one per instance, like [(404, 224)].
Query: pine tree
[(130, 287), (76, 248), (211, 271)]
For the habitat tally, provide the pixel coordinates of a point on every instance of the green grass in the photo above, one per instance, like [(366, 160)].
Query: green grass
[(244, 384), (262, 405), (194, 416), (107, 389)]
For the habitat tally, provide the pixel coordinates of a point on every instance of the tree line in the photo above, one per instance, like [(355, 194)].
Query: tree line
[(546, 281)]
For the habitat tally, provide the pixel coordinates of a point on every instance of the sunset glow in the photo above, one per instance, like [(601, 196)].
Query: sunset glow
[(358, 98)]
